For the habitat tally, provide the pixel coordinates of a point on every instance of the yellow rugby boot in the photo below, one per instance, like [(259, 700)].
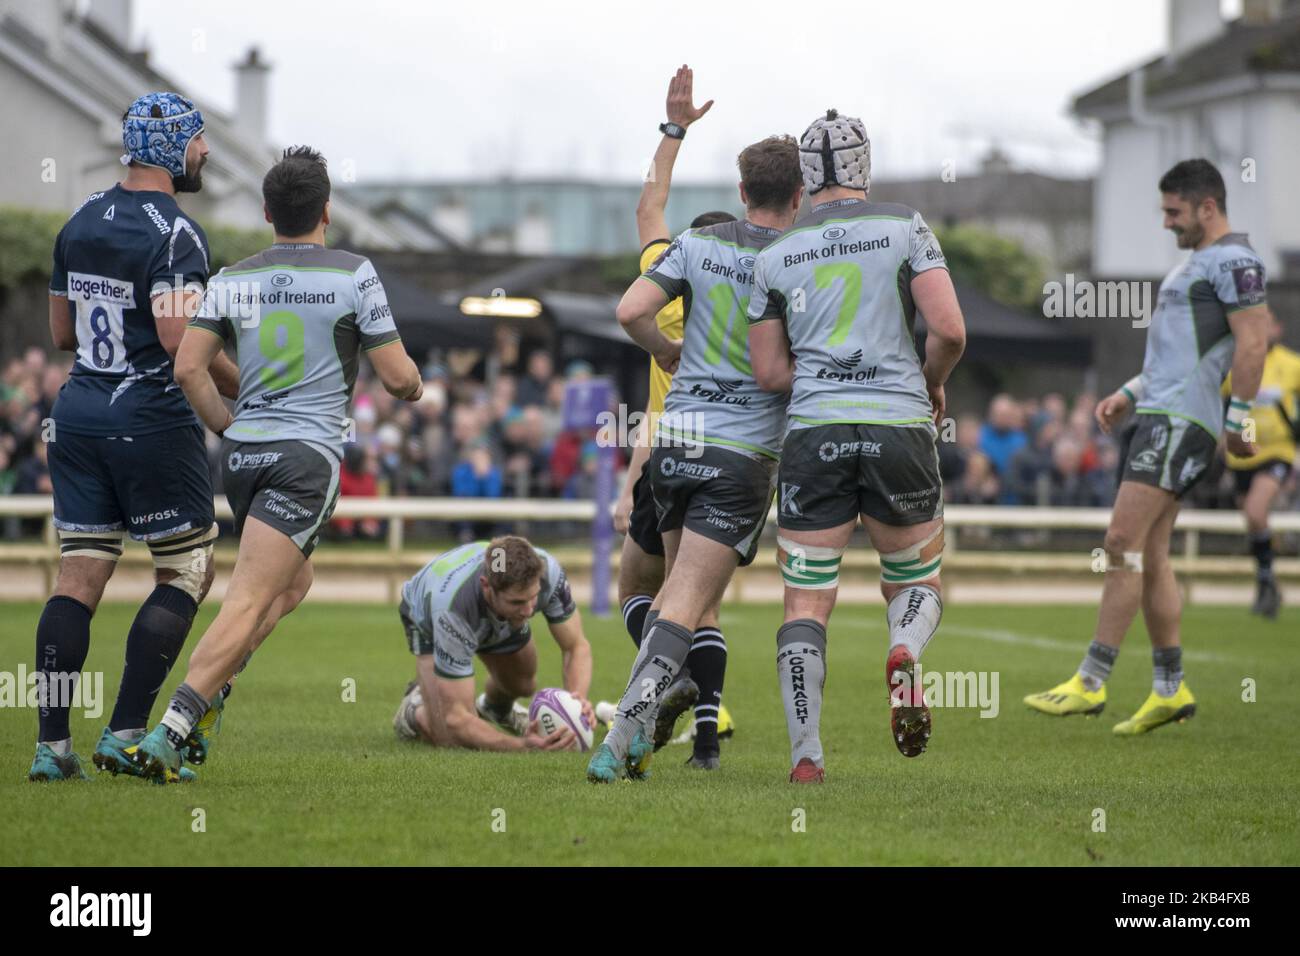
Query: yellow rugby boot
[(1072, 697), (1158, 711)]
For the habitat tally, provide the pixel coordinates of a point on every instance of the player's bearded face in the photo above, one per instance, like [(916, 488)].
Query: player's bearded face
[(1190, 235), (196, 158), (1181, 220)]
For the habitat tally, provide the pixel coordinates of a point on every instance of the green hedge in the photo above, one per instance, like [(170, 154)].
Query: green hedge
[(997, 266)]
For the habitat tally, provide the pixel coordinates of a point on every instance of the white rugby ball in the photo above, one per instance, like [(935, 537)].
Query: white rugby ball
[(555, 709)]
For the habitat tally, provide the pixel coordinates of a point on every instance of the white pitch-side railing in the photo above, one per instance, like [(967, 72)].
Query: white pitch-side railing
[(397, 511), (1010, 557)]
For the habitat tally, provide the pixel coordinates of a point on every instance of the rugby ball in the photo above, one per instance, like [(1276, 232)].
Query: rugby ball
[(555, 709)]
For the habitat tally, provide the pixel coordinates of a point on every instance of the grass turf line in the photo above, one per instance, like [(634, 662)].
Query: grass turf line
[(299, 776)]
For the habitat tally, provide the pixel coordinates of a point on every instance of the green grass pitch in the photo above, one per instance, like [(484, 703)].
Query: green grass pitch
[(301, 776)]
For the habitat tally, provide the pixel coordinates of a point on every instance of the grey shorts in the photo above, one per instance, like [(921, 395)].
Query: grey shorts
[(722, 495), (832, 473), (292, 486), (1168, 453)]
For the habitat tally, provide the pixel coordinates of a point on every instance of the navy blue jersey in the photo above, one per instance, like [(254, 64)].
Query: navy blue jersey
[(117, 249)]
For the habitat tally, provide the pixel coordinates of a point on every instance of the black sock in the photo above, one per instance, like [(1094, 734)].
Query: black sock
[(62, 643), (635, 609), (1261, 546), (708, 665), (152, 645)]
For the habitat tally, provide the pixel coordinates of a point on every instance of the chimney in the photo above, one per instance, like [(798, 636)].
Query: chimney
[(1191, 23), (112, 17), (251, 80), (1260, 12)]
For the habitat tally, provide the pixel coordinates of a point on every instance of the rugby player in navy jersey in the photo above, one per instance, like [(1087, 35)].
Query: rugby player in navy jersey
[(126, 452)]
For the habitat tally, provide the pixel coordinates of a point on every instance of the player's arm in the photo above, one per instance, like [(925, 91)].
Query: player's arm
[(575, 660), (650, 221), (456, 722), (63, 328), (945, 338), (636, 314), (63, 325), (1112, 409), (172, 312), (769, 342), (379, 339), (1250, 327), (194, 357), (397, 370), (769, 354), (936, 300)]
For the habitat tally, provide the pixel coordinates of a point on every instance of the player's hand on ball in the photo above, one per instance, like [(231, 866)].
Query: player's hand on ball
[(1111, 409), (588, 712), (669, 357), (560, 740), (1238, 445), (681, 98)]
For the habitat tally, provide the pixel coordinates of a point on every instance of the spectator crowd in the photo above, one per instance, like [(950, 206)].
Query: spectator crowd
[(485, 429), (1030, 452)]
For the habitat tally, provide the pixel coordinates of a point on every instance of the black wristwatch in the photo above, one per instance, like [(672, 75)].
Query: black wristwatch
[(673, 130)]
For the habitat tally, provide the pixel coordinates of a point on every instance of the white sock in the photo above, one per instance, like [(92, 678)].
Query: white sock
[(913, 616)]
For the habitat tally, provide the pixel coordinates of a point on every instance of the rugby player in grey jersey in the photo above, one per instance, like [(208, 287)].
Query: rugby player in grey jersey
[(300, 315), (477, 601), (641, 564), (716, 446), (831, 320), (1211, 317)]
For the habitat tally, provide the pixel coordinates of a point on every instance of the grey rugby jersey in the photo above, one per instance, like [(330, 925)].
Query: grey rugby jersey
[(714, 396), (299, 315), (445, 601), (841, 282), (1190, 344)]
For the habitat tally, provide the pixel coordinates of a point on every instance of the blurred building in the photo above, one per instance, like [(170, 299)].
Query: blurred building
[(1227, 91), (68, 76), (1049, 216), (540, 217)]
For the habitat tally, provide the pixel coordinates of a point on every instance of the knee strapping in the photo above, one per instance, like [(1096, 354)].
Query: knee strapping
[(189, 554), (916, 562), (1130, 561), (809, 566), (104, 545)]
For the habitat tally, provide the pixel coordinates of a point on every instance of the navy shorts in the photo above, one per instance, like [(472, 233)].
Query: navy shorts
[(643, 522), (153, 486)]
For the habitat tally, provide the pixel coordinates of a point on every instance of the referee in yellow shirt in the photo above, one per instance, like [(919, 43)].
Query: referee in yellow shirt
[(641, 565), (1260, 477)]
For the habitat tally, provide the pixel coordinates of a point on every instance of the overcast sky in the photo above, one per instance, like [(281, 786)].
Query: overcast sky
[(477, 89)]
